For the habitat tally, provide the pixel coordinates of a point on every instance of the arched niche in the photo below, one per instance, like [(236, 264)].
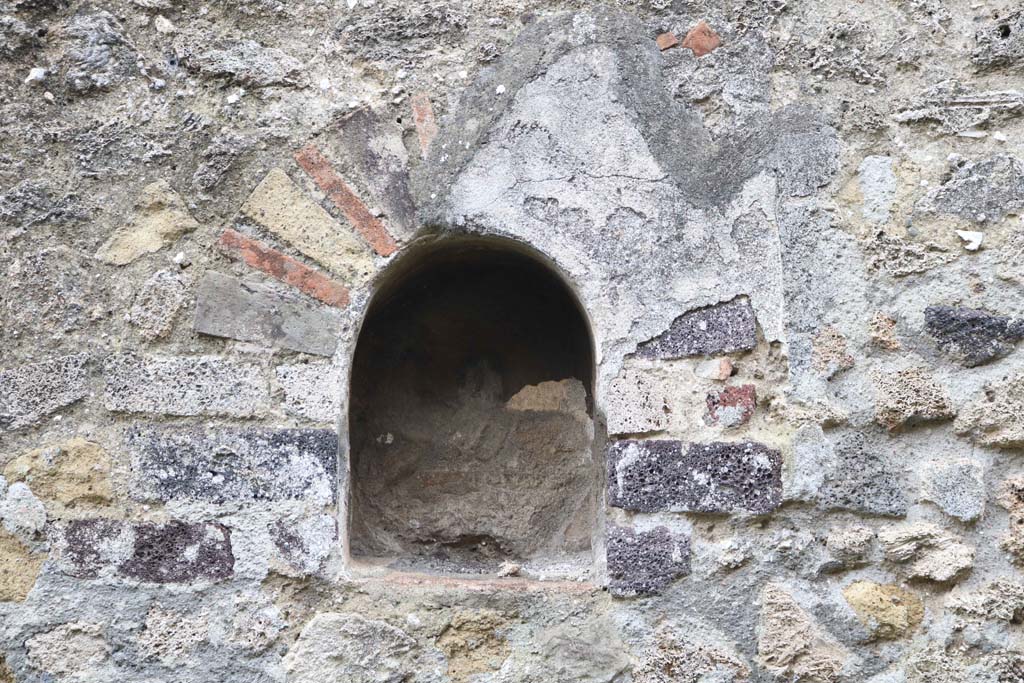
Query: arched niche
[(472, 439)]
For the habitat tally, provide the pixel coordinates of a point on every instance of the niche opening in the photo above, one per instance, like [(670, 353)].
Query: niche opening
[(471, 431)]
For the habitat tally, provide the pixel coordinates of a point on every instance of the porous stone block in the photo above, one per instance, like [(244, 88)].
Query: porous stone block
[(985, 190), (830, 355), (311, 390), (887, 611), (281, 207), (232, 464), (69, 651), (30, 392), (68, 477), (645, 562), (882, 329), (973, 337), (731, 406), (249, 311), (22, 513), (19, 568), (196, 385), (171, 552), (721, 328), (687, 653), (245, 62), (908, 397), (791, 645), (1000, 42), (995, 419), (170, 636), (160, 217), (862, 479), (348, 647), (635, 404), (157, 303), (849, 546), (1011, 499), (656, 475), (931, 552), (957, 487)]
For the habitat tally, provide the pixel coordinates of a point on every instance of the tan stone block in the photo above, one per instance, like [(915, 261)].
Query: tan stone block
[(19, 568), (281, 207), (886, 610), (160, 218), (74, 474)]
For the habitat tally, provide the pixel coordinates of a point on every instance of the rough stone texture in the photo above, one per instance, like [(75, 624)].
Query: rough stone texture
[(245, 62), (169, 636), (830, 353), (732, 406), (71, 477), (980, 191), (157, 304), (1011, 499), (722, 328), (850, 546), (349, 648), (32, 391), (908, 397), (472, 644), (886, 610), (933, 554), (23, 514), (173, 385), (952, 107), (251, 311), (997, 418), (645, 562), (790, 644), (647, 476), (159, 218), (19, 567), (971, 336), (883, 332), (1000, 43), (281, 207), (69, 649), (680, 655), (311, 391), (172, 552), (958, 488), (305, 544), (247, 464), (635, 404), (862, 478)]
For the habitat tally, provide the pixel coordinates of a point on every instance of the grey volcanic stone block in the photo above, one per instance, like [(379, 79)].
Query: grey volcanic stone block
[(642, 563), (722, 328), (174, 552), (247, 464), (656, 475), (862, 480), (30, 392), (198, 385), (228, 307), (973, 337)]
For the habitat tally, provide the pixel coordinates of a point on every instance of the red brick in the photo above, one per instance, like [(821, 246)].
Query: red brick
[(284, 268), (423, 117), (337, 190), (732, 406), (666, 40), (702, 39)]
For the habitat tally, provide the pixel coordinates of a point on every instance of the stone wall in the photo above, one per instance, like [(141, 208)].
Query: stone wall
[(795, 230)]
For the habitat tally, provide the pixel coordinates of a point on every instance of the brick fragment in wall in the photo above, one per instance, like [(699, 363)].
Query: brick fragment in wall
[(284, 268), (195, 385), (1000, 43), (908, 397), (423, 117), (702, 39), (863, 479), (995, 418), (337, 190), (30, 392), (721, 328), (717, 477), (731, 406), (973, 337), (278, 205), (666, 40), (232, 464), (171, 552), (254, 312), (645, 562)]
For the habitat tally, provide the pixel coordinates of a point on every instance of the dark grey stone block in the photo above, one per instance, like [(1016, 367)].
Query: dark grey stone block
[(972, 336), (722, 328), (718, 477), (228, 307), (642, 563), (862, 480), (238, 464)]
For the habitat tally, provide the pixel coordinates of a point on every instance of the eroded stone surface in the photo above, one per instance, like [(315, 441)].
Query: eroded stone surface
[(30, 392), (653, 475), (931, 553), (349, 648), (645, 562), (160, 218), (972, 336), (732, 406), (886, 610), (71, 475), (722, 328), (217, 465), (790, 644), (19, 567), (909, 397), (958, 488), (157, 303), (997, 418)]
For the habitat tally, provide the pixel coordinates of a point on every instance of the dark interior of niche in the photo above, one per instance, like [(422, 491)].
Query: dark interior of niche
[(470, 415)]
